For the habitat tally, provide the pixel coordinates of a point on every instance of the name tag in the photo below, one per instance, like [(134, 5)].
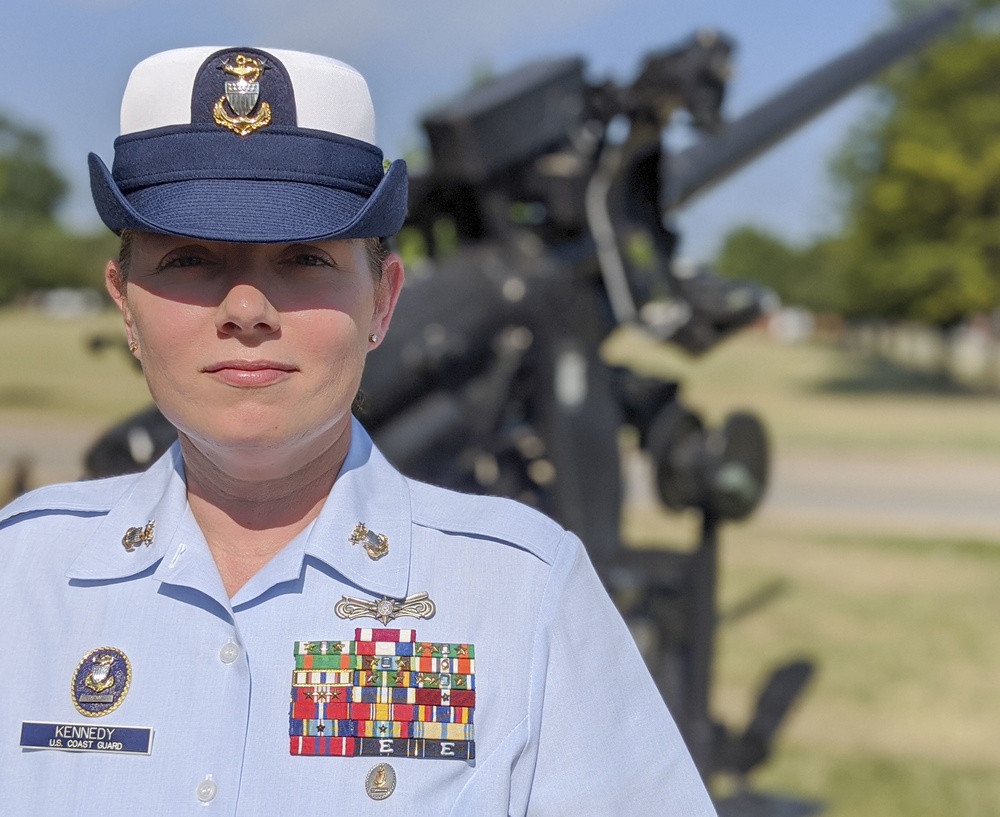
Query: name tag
[(83, 737)]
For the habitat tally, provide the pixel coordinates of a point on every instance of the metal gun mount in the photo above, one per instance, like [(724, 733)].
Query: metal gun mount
[(555, 195)]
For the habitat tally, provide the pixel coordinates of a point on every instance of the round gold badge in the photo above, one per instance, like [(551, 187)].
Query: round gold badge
[(101, 682), (381, 781)]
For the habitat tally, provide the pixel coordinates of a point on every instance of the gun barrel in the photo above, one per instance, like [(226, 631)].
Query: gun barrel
[(716, 157)]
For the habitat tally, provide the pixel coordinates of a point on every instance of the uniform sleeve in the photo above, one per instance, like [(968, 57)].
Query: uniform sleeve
[(605, 742)]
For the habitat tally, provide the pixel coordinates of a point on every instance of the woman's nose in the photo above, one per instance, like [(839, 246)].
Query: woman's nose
[(246, 311)]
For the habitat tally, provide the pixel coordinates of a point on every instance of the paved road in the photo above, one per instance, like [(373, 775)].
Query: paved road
[(923, 495), (914, 494)]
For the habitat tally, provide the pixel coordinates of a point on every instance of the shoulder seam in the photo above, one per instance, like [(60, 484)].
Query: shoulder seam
[(498, 519), (66, 498)]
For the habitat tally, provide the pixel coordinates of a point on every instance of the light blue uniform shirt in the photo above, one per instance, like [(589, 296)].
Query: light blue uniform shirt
[(567, 719)]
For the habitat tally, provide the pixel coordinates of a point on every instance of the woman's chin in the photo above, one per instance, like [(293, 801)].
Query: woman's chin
[(256, 446)]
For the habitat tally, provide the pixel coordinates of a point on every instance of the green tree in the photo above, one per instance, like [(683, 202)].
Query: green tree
[(30, 188), (810, 276), (922, 179), (46, 256), (36, 252)]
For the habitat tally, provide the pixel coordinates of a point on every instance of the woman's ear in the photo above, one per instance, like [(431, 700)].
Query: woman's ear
[(114, 281), (387, 294)]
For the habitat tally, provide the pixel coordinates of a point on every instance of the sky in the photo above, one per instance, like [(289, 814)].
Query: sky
[(65, 64)]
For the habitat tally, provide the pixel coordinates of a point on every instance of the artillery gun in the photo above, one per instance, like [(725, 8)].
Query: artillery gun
[(545, 222)]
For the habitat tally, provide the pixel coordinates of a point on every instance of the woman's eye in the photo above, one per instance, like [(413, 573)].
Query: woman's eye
[(182, 261), (307, 260)]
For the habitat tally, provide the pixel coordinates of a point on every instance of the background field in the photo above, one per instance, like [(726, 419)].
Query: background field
[(877, 549)]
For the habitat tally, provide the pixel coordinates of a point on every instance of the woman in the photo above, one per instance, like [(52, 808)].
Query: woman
[(271, 619)]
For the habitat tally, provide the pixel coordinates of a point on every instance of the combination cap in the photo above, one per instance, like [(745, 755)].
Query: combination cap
[(248, 145)]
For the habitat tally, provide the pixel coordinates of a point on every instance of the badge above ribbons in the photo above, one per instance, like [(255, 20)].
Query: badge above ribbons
[(384, 694), (418, 605)]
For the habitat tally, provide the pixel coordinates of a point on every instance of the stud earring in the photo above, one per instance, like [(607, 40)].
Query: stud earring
[(373, 337), (132, 345)]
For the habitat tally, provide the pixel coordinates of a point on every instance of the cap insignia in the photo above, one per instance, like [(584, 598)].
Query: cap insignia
[(242, 95)]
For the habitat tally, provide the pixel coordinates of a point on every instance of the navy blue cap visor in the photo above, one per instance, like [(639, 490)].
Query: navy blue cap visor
[(204, 183)]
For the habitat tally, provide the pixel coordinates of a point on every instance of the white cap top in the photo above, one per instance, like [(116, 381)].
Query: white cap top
[(330, 95)]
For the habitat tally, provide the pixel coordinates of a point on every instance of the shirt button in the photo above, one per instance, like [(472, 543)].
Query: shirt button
[(229, 653), (207, 790)]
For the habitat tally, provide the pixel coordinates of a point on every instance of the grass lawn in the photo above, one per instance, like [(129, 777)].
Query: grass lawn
[(56, 396), (49, 373), (817, 397)]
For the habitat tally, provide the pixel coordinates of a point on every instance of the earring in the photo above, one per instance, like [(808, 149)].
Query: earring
[(132, 346), (373, 337)]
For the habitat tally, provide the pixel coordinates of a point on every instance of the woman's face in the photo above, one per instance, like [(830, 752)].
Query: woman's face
[(256, 348)]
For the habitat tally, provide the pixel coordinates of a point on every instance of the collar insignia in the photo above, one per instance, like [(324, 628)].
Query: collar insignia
[(242, 95), (419, 605), (376, 544), (139, 536)]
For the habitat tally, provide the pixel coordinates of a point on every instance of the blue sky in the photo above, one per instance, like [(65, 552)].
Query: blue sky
[(65, 64)]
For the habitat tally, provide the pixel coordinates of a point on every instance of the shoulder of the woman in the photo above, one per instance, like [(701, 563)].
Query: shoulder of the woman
[(487, 517), (88, 497)]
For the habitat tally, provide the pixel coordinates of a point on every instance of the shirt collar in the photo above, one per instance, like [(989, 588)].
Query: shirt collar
[(157, 496), (368, 490)]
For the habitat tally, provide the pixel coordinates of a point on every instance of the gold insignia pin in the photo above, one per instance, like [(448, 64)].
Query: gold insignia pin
[(381, 781), (385, 609), (376, 544), (139, 536), (242, 95)]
